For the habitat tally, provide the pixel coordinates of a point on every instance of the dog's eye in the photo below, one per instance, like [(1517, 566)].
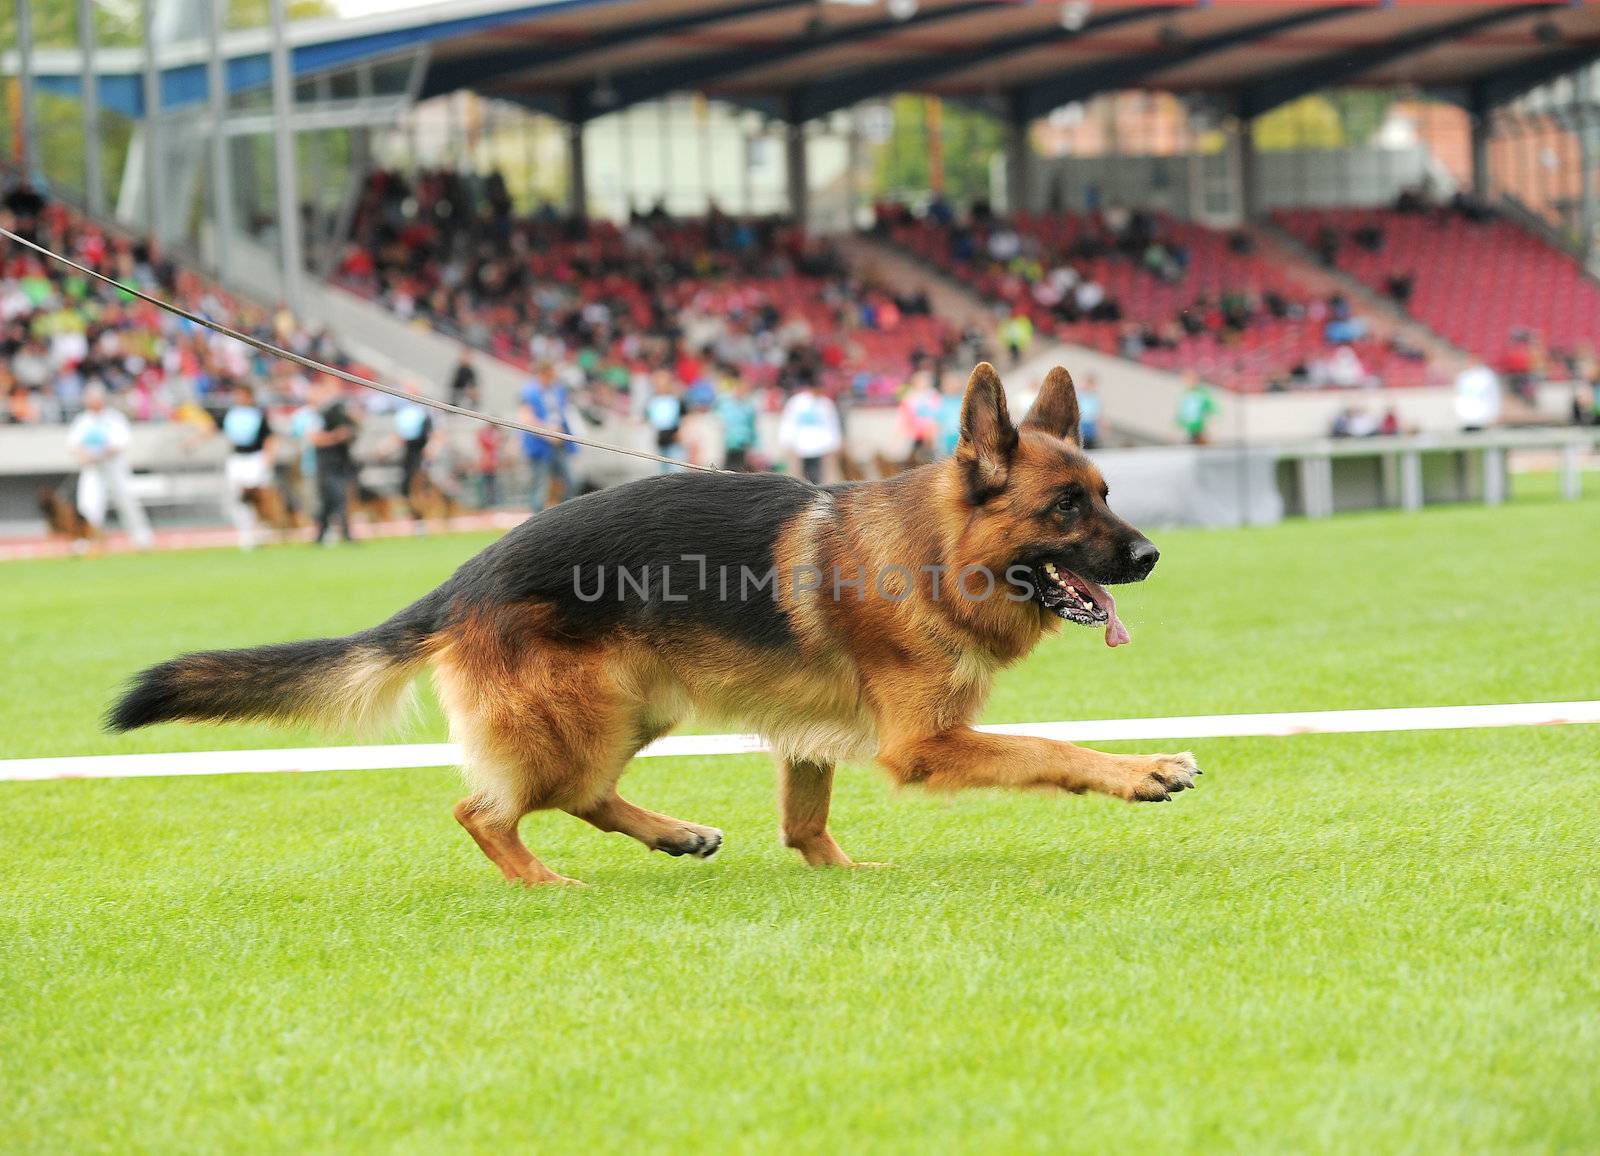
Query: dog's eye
[(1067, 503)]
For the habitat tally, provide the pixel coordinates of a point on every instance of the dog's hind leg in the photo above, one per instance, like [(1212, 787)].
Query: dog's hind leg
[(507, 787), (806, 788), (500, 841), (516, 760)]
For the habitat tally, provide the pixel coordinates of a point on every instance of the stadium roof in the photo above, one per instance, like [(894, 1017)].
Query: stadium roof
[(805, 58)]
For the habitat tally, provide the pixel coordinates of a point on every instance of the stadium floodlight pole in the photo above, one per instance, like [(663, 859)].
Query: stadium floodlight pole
[(577, 173), (1585, 87), (852, 168), (1240, 416), (155, 181), (291, 255), (664, 121), (30, 120), (796, 171), (317, 166), (221, 149), (1018, 152), (94, 183), (625, 159), (747, 159)]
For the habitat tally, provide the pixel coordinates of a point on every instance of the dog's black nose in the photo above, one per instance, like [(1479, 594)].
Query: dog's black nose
[(1144, 555)]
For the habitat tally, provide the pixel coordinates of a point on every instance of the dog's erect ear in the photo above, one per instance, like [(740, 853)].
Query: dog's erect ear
[(1055, 410), (988, 439)]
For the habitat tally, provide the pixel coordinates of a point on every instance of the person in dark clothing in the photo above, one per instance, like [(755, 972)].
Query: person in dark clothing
[(335, 462), (1327, 246), (464, 381), (1400, 286), (25, 203)]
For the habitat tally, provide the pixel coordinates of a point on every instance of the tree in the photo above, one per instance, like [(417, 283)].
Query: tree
[(1336, 119), (971, 139)]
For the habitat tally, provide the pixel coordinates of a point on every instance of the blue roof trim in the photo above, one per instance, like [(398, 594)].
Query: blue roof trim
[(186, 85)]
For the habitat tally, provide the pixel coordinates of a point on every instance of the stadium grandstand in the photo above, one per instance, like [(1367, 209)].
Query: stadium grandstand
[(911, 434), (1314, 217)]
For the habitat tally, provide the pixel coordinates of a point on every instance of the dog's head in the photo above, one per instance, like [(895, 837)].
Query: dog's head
[(1038, 505)]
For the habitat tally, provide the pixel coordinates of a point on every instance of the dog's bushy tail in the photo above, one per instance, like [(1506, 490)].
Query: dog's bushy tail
[(360, 682)]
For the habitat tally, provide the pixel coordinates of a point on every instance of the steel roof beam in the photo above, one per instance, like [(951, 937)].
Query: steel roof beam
[(851, 88), (475, 71), (1126, 72), (700, 72), (1338, 68)]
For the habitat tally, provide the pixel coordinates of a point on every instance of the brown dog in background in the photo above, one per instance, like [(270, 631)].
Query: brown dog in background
[(62, 518), (272, 511), (431, 502), (372, 506), (840, 622)]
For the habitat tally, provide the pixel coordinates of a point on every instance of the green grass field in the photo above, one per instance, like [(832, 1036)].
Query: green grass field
[(1338, 943)]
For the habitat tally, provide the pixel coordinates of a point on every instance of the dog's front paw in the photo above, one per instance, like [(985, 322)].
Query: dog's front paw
[(701, 842), (1163, 777)]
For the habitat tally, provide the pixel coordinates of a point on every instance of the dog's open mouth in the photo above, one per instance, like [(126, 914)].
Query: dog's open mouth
[(1075, 598)]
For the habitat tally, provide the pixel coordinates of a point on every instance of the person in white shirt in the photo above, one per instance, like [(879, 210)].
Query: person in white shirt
[(1089, 294), (98, 438), (1345, 369), (809, 430), (1477, 397), (1004, 244)]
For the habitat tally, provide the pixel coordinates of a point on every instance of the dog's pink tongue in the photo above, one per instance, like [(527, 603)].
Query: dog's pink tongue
[(1116, 633)]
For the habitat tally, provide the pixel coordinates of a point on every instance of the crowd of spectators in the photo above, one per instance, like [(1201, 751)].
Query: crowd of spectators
[(1167, 293), (618, 311), (655, 319), (62, 334)]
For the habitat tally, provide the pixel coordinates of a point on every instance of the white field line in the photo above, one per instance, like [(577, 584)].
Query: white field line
[(392, 757)]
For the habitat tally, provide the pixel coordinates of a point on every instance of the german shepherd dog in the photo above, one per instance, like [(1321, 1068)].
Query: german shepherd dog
[(839, 622)]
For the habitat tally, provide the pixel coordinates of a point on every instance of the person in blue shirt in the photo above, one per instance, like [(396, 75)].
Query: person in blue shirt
[(1089, 413), (952, 389), (664, 412), (413, 427), (305, 421), (544, 404), (737, 409)]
